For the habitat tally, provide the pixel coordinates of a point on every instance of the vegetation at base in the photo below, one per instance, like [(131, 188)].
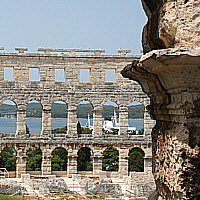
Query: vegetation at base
[(59, 159), (136, 160), (8, 159), (84, 160), (113, 131), (34, 159), (110, 160), (59, 110), (60, 130), (18, 197), (140, 132), (82, 130)]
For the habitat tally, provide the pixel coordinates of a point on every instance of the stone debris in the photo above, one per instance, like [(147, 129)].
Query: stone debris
[(10, 187)]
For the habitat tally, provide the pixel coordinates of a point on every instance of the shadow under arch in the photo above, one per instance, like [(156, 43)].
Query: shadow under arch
[(8, 117), (110, 160), (84, 160), (8, 159), (34, 159), (136, 160), (59, 159)]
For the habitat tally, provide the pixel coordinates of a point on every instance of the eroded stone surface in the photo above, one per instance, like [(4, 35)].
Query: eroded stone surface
[(171, 24), (171, 78)]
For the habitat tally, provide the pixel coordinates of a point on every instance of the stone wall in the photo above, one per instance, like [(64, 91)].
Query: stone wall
[(170, 77), (171, 24), (72, 91)]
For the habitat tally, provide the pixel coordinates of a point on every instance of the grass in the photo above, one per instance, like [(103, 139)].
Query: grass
[(18, 197)]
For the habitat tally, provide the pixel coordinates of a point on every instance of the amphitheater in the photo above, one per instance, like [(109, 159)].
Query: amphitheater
[(72, 90)]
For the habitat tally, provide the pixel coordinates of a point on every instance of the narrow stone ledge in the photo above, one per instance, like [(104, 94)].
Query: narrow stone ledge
[(21, 49), (192, 51)]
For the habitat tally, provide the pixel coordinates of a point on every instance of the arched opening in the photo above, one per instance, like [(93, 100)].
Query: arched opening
[(59, 159), (110, 116), (136, 160), (34, 117), (110, 160), (8, 117), (34, 159), (136, 118), (84, 160), (84, 118), (59, 118), (8, 159)]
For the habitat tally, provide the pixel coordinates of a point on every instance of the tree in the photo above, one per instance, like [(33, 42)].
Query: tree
[(60, 130), (141, 132), (136, 160), (79, 128), (27, 130), (59, 159), (84, 159), (34, 159), (110, 160), (8, 159)]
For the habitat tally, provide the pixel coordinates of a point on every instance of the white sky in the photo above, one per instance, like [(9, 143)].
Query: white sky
[(72, 24)]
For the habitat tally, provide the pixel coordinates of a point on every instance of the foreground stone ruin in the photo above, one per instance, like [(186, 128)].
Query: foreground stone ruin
[(170, 77)]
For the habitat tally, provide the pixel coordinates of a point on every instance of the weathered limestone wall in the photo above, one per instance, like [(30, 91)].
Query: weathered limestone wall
[(171, 24), (72, 91), (171, 79)]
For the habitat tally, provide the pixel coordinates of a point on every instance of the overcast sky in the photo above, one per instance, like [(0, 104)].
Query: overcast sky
[(105, 24)]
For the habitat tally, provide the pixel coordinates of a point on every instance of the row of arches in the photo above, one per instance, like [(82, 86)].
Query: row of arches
[(59, 159), (59, 115)]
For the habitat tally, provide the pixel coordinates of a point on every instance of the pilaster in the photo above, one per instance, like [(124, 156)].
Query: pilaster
[(72, 163), (123, 162), (97, 122), (72, 122), (46, 121), (21, 122), (123, 120)]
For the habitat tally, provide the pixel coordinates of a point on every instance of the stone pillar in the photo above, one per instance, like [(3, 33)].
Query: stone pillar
[(20, 163), (148, 123), (21, 122), (97, 122), (46, 162), (46, 121), (123, 120), (148, 160), (123, 162), (72, 163), (72, 122), (97, 164)]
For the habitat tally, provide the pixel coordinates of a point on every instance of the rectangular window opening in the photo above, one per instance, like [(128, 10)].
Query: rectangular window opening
[(59, 75), (33, 74), (9, 73), (84, 75), (110, 75)]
